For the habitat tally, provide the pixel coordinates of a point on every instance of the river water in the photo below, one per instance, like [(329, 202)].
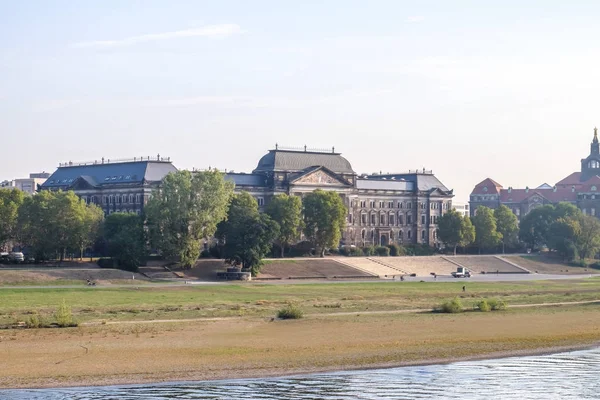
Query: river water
[(572, 375)]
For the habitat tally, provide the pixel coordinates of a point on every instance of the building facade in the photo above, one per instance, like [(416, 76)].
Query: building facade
[(382, 209), (579, 188), (113, 185)]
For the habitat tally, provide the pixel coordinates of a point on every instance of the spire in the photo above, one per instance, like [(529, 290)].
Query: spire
[(595, 146), (595, 135)]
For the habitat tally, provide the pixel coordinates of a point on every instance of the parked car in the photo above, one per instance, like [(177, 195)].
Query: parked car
[(16, 257), (4, 258)]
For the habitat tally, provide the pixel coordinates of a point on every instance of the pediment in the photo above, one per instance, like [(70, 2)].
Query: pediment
[(320, 177)]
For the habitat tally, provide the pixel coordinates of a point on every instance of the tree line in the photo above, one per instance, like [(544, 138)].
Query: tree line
[(561, 228), (186, 211)]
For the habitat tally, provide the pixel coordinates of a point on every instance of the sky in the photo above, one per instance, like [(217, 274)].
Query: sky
[(469, 89)]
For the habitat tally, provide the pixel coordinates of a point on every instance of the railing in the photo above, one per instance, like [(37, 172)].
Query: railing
[(410, 171), (305, 149), (115, 161)]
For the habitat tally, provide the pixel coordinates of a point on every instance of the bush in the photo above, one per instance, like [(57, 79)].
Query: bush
[(484, 306), (205, 254), (106, 263), (63, 315), (351, 252), (301, 249), (368, 251), (452, 307), (35, 321), (290, 312), (497, 305), (215, 251), (419, 250), (382, 251), (396, 250)]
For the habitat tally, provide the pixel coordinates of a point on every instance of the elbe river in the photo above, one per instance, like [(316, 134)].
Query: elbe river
[(571, 375)]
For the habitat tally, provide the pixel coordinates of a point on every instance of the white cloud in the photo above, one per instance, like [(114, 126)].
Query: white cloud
[(414, 19), (210, 31)]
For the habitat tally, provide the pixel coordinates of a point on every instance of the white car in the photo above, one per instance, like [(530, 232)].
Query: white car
[(16, 256)]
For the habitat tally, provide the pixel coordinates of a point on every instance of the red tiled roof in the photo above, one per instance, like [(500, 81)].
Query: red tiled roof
[(492, 187), (573, 179), (594, 181), (520, 195)]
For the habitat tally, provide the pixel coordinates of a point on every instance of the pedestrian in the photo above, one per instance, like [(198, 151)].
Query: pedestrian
[(464, 288)]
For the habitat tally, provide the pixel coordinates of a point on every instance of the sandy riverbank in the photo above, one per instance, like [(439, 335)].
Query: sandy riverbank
[(252, 347)]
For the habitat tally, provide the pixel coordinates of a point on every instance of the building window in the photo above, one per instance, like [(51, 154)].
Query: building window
[(138, 198), (400, 220), (261, 201), (382, 219), (422, 235), (363, 204), (124, 199), (400, 204), (390, 204), (409, 234), (584, 211), (593, 211), (372, 219), (381, 204), (372, 203), (130, 199), (363, 234), (363, 219), (400, 236), (392, 220), (423, 219), (409, 219), (349, 218), (110, 199)]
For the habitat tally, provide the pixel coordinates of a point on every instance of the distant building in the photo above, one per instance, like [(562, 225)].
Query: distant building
[(382, 209), (113, 185), (579, 188), (461, 208), (28, 185)]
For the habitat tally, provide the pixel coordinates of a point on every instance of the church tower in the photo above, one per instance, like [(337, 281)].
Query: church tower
[(590, 166)]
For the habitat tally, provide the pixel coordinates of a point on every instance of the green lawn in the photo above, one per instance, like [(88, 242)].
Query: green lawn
[(143, 303)]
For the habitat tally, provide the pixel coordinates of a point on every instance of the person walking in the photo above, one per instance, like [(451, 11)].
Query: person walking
[(464, 288)]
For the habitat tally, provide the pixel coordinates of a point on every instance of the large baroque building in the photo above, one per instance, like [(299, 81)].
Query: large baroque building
[(113, 185), (579, 188), (382, 209)]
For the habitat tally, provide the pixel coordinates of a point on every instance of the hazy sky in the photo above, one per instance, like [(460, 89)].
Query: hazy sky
[(470, 89)]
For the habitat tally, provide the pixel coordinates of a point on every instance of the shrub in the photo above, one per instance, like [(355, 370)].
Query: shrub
[(419, 250), (484, 306), (106, 263), (351, 252), (382, 251), (290, 312), (369, 251), (452, 307), (63, 316), (497, 305), (35, 321), (396, 250), (205, 254)]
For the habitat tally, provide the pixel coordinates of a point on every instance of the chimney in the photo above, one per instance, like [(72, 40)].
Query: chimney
[(509, 189), (526, 189), (554, 189)]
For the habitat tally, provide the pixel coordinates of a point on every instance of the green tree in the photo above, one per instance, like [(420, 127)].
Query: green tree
[(10, 202), (287, 212), (588, 240), (125, 239), (467, 232), (534, 227), (507, 225), (53, 223), (563, 235), (247, 235), (186, 209), (486, 235), (450, 229), (324, 219)]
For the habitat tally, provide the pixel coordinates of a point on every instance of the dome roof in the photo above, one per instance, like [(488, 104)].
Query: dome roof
[(292, 161)]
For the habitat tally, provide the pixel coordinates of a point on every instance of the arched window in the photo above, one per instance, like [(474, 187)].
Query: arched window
[(110, 199), (363, 233), (423, 235), (124, 199), (382, 219), (593, 188), (373, 220), (400, 236), (593, 164), (130, 199), (392, 219)]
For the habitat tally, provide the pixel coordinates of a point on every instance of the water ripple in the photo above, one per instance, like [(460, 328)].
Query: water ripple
[(572, 375)]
